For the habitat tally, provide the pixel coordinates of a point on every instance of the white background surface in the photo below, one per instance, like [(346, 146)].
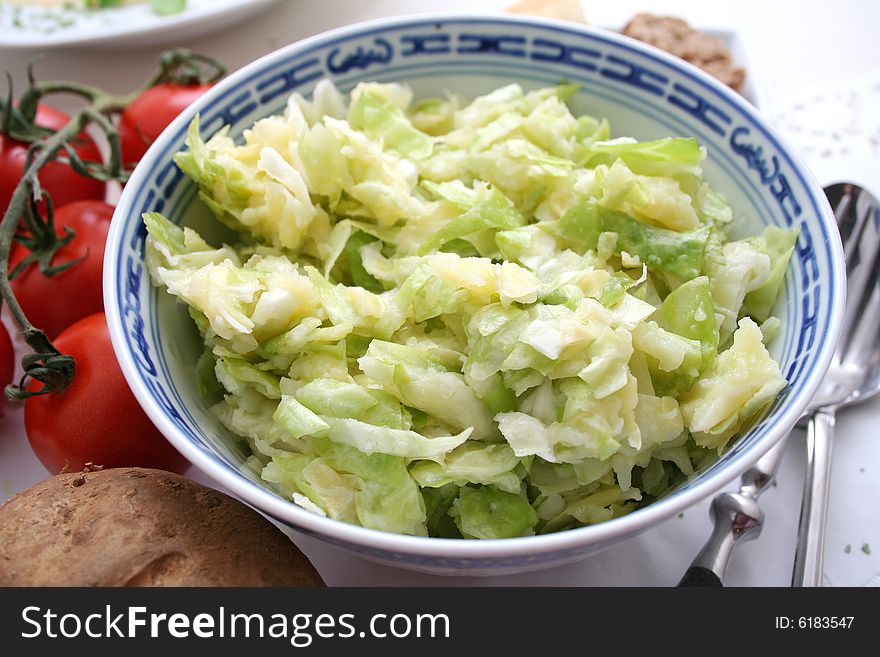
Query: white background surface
[(816, 69)]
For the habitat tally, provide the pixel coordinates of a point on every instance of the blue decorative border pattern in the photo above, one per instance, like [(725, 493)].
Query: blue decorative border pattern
[(747, 154)]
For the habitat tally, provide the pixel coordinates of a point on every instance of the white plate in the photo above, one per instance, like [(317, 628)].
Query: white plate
[(136, 25)]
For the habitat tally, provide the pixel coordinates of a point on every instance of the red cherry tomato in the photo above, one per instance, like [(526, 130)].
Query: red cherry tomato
[(62, 183), (52, 303), (96, 419), (150, 114), (7, 361)]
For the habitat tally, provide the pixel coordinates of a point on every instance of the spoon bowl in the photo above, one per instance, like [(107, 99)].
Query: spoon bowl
[(854, 374)]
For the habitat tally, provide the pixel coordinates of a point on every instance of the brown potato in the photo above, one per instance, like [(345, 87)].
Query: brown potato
[(139, 527)]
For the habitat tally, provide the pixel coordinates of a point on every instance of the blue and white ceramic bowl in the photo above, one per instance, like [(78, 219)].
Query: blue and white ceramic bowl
[(644, 92)]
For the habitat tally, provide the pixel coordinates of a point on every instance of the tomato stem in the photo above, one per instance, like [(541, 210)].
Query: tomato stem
[(46, 364), (187, 68), (50, 367)]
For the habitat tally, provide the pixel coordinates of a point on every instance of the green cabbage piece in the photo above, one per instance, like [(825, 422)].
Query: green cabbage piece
[(679, 253), (735, 269), (332, 493), (342, 399), (738, 384), (380, 118), (173, 247), (472, 463), (423, 381), (353, 260), (434, 116), (297, 419), (375, 489), (371, 439), (481, 209), (664, 157), (684, 333), (252, 188), (438, 504), (389, 499), (486, 512), (778, 244), (655, 200), (589, 506)]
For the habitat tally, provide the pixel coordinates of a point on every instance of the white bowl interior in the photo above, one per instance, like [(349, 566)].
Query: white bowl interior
[(643, 93)]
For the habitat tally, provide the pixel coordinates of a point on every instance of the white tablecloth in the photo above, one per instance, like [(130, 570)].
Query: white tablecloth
[(817, 76)]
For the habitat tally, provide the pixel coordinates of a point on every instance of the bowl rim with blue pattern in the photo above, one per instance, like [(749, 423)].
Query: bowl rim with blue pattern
[(654, 80)]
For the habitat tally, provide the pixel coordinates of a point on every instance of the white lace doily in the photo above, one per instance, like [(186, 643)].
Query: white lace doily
[(836, 129)]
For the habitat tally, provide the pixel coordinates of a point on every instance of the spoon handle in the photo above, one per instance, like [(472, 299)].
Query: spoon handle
[(814, 507), (737, 517)]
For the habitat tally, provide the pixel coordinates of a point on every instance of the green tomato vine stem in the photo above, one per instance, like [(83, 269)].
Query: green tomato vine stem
[(46, 364)]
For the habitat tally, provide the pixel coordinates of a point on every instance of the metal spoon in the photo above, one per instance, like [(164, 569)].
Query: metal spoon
[(854, 374), (737, 516)]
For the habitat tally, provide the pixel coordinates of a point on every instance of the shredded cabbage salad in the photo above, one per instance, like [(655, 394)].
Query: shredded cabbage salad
[(480, 319)]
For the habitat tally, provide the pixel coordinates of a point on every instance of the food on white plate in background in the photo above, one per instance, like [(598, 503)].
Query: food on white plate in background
[(479, 319), (159, 6), (676, 36), (141, 527)]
